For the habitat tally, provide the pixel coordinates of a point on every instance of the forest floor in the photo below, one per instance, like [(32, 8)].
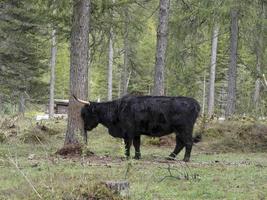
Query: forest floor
[(229, 163)]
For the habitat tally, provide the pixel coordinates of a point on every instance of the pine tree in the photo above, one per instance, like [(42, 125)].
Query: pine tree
[(21, 57), (232, 71), (78, 66), (162, 36), (213, 70)]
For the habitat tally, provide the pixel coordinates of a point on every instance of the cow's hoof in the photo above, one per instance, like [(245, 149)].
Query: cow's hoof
[(126, 157), (171, 157), (137, 157), (186, 159)]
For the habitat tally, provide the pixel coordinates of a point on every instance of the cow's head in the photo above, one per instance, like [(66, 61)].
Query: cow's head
[(88, 114)]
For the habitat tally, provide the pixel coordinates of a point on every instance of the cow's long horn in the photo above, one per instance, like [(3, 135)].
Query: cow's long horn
[(81, 101)]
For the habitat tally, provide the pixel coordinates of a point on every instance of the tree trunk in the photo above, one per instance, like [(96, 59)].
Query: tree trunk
[(162, 39), (119, 84), (264, 81), (231, 93), (214, 42), (21, 103), (204, 94), (110, 61), (256, 96), (1, 103), (110, 64), (223, 100), (52, 74), (259, 54), (126, 53), (78, 66)]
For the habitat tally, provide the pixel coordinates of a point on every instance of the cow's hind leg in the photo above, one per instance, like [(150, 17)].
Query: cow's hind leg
[(136, 143), (188, 148), (128, 144), (178, 147), (188, 142)]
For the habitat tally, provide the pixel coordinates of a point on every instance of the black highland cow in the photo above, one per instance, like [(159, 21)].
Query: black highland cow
[(133, 116)]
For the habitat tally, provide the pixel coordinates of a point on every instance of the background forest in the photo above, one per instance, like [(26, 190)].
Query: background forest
[(213, 51), (35, 35)]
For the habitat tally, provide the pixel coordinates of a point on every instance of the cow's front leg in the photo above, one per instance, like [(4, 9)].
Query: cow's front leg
[(85, 136), (136, 143), (128, 143)]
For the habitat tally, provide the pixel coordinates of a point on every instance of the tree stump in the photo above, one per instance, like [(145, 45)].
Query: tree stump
[(119, 187)]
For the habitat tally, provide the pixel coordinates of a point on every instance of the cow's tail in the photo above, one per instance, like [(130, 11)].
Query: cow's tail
[(81, 101), (197, 109), (197, 138)]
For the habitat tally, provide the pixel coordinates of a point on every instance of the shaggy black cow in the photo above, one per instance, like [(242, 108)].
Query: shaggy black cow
[(133, 116)]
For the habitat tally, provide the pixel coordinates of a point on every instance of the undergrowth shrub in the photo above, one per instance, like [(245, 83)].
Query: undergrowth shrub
[(2, 137), (97, 192), (237, 136), (33, 135)]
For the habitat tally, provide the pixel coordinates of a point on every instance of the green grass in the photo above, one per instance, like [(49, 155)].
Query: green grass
[(209, 175)]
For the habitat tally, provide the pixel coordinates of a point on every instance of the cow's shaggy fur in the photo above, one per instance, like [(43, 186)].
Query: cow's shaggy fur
[(133, 116)]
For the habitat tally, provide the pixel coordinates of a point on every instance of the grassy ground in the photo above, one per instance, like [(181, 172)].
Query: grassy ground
[(30, 169)]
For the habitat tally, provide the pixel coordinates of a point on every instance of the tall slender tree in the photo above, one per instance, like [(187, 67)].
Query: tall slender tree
[(52, 73), (22, 91), (162, 39), (1, 103), (78, 66), (52, 64), (214, 42), (259, 55), (110, 59), (232, 70), (126, 52)]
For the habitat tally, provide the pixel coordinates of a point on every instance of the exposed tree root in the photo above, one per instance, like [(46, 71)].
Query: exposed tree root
[(70, 150)]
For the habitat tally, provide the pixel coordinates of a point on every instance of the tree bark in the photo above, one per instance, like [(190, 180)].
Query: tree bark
[(110, 65), (1, 103), (256, 96), (21, 102), (126, 53), (52, 74), (162, 39), (265, 81), (231, 93), (259, 60), (110, 60), (204, 94), (78, 66), (214, 42)]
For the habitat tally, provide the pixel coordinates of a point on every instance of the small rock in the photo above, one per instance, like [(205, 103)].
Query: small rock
[(34, 164), (121, 187), (31, 156)]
